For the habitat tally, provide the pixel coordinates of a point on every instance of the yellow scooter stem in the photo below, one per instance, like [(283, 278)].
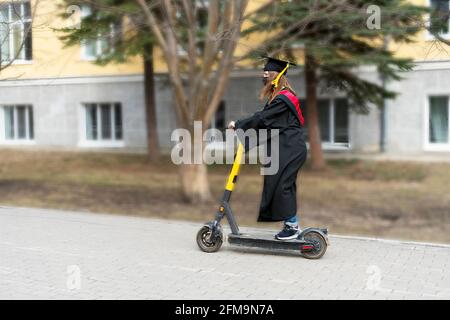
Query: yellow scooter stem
[(235, 169)]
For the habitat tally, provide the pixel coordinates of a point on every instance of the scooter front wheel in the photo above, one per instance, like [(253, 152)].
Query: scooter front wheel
[(319, 245), (208, 242)]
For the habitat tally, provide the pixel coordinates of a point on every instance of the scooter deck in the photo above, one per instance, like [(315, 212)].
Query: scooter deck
[(266, 241)]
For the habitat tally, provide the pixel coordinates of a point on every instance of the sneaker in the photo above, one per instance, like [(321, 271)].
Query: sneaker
[(288, 233)]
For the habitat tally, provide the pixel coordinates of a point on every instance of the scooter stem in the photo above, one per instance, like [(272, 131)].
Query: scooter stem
[(235, 169)]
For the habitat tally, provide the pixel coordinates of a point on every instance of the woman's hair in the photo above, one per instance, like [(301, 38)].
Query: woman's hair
[(269, 92)]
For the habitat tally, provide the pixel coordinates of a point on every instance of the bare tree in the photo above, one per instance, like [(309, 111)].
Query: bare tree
[(198, 78)]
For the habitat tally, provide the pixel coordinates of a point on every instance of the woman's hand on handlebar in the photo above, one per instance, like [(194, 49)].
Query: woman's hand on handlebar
[(232, 125)]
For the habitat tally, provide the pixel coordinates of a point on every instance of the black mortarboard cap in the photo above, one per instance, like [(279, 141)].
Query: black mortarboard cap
[(277, 65)]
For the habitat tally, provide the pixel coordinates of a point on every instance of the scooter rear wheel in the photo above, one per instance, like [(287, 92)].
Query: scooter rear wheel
[(208, 243), (320, 245)]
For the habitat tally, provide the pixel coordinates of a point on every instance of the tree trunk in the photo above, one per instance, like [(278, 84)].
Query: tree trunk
[(194, 172), (194, 183), (315, 143), (150, 105)]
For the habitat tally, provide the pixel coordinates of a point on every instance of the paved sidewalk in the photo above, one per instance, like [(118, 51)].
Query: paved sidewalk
[(49, 254)]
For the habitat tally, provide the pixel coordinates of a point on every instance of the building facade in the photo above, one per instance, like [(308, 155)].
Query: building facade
[(53, 97)]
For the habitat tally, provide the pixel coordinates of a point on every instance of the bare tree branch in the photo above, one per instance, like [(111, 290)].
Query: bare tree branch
[(209, 57), (154, 27), (190, 9), (226, 61), (174, 64)]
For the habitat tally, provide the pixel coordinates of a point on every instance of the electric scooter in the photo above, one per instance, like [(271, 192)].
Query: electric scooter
[(311, 243)]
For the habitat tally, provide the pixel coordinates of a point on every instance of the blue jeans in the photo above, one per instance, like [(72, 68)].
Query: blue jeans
[(293, 221)]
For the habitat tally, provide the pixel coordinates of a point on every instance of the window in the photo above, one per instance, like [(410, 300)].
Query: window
[(340, 121), (439, 18), (103, 122), (18, 122), (324, 119), (201, 17), (333, 121), (102, 43), (15, 31), (438, 122), (218, 123), (202, 14), (218, 120)]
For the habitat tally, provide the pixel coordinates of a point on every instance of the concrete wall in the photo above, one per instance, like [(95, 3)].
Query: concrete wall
[(166, 116), (406, 114), (365, 128), (57, 108), (242, 100)]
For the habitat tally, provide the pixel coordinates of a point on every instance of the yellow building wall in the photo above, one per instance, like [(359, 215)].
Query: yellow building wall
[(424, 47), (244, 44), (52, 60)]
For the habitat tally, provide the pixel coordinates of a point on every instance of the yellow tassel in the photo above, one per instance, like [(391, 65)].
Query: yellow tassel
[(275, 81)]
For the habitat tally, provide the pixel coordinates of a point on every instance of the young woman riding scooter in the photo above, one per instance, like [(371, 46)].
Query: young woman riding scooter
[(281, 111)]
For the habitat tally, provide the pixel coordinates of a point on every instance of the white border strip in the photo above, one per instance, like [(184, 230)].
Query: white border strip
[(73, 80), (361, 238), (393, 241), (237, 73), (243, 228)]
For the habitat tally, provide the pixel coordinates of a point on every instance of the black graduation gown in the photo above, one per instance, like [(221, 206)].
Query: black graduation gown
[(279, 195)]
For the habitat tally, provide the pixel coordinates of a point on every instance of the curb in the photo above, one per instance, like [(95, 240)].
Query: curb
[(247, 229)]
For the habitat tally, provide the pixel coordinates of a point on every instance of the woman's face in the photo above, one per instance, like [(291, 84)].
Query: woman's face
[(265, 77)]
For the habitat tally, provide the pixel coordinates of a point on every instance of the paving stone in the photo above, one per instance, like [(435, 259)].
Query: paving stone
[(51, 254)]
